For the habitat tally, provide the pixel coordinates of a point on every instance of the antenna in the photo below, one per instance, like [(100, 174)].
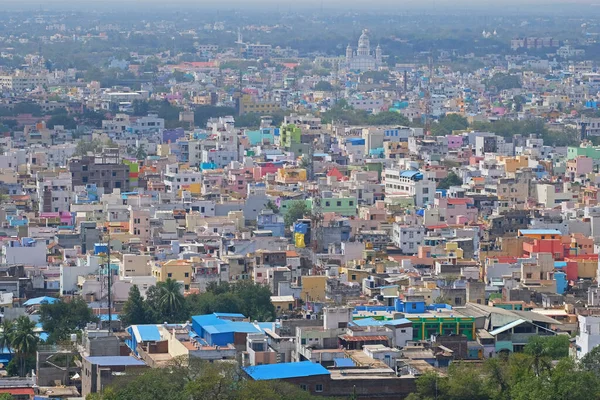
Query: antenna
[(428, 108)]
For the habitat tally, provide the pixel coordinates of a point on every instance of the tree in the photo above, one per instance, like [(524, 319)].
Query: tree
[(451, 180), (24, 341), (449, 123), (296, 210), (501, 81), (135, 310), (167, 301), (272, 206), (62, 120), (140, 152), (6, 335), (555, 347), (140, 107), (323, 86), (61, 318), (591, 361)]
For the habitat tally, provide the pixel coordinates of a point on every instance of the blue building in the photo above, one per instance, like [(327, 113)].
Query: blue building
[(267, 220)]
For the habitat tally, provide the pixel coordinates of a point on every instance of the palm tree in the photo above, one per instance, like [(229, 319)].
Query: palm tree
[(170, 297), (24, 340), (7, 330)]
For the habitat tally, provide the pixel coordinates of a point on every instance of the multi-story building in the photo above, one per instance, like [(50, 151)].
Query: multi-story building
[(105, 170), (411, 183)]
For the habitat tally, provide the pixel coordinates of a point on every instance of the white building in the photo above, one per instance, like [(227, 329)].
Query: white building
[(411, 183), (589, 334), (408, 238), (21, 81), (363, 59), (176, 178), (148, 124)]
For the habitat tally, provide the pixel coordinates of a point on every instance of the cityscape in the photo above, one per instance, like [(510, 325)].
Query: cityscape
[(288, 201)]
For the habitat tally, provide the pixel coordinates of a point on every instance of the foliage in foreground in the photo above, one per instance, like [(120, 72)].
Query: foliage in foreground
[(523, 376), (199, 380)]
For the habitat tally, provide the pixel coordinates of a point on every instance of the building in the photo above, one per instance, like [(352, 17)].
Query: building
[(363, 59), (409, 183), (99, 372), (105, 171)]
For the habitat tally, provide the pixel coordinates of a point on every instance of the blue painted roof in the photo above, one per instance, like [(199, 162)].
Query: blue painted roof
[(148, 333), (401, 321), (43, 336), (560, 264), (343, 362), (229, 315), (409, 174), (114, 317), (367, 322), (240, 327), (110, 361), (207, 319), (40, 300), (540, 232), (285, 370)]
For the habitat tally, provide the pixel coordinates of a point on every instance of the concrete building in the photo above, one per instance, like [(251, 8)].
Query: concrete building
[(105, 171)]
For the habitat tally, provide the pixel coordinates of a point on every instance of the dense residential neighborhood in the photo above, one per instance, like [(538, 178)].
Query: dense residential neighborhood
[(207, 209)]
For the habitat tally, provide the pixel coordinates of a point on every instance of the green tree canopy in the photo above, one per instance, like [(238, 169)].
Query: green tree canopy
[(295, 210), (135, 310), (324, 86), (449, 123), (451, 180), (62, 318), (65, 120), (501, 81)]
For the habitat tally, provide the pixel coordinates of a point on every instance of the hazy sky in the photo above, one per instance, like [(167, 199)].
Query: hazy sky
[(340, 5)]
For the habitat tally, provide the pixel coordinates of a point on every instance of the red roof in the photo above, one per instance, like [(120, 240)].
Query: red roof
[(335, 172), (459, 201), (442, 226)]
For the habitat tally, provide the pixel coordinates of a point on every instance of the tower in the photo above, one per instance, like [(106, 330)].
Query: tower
[(348, 53), (364, 46), (378, 55)]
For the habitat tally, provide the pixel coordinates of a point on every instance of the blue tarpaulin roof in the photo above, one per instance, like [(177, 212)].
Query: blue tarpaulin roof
[(40, 300), (343, 362), (285, 370)]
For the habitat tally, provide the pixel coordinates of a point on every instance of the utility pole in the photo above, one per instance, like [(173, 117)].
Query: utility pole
[(109, 273)]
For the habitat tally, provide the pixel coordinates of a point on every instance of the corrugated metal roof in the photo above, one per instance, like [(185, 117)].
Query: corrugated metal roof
[(507, 327), (113, 361), (148, 333), (348, 338), (285, 370)]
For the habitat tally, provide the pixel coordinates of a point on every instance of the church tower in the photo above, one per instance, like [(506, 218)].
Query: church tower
[(378, 55), (364, 46)]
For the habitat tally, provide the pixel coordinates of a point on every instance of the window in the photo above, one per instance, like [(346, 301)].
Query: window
[(351, 203), (169, 275), (302, 385), (187, 275), (339, 203), (318, 388), (528, 276), (353, 277)]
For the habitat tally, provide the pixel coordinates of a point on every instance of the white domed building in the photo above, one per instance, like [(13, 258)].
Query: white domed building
[(363, 59)]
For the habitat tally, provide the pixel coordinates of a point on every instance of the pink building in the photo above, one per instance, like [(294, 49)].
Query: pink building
[(65, 217), (266, 168), (454, 142), (238, 180), (456, 211), (579, 166)]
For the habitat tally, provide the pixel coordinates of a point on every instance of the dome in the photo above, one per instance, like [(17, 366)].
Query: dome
[(363, 41)]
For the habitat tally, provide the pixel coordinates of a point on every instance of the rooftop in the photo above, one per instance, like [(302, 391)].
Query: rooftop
[(285, 370), (116, 361)]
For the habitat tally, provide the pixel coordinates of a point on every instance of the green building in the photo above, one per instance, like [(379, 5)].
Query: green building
[(344, 206), (587, 151), (425, 327)]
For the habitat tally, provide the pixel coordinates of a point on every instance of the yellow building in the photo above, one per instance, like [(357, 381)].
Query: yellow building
[(313, 288), (512, 164), (290, 175), (179, 270), (249, 106), (283, 304), (357, 275)]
